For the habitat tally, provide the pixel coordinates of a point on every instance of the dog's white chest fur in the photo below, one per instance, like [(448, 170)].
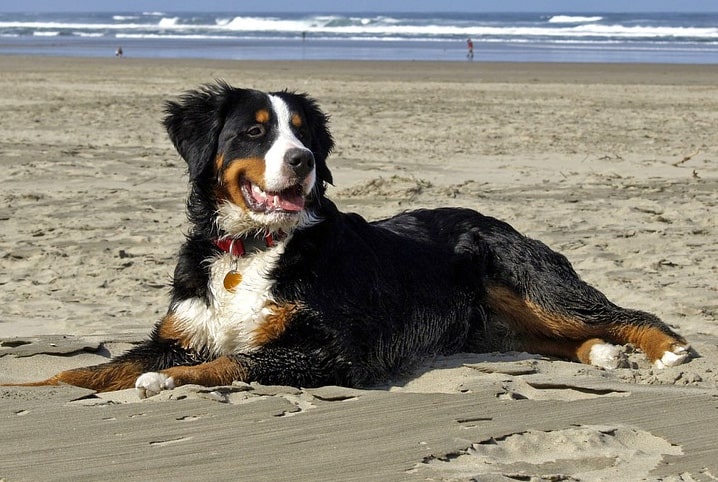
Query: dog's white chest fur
[(227, 325)]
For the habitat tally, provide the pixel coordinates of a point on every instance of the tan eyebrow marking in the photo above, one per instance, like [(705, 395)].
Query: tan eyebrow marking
[(297, 120), (261, 116)]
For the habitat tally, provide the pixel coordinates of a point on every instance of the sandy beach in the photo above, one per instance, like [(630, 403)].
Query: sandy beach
[(615, 166)]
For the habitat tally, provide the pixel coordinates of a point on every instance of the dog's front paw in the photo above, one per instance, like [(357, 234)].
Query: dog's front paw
[(152, 383), (678, 355)]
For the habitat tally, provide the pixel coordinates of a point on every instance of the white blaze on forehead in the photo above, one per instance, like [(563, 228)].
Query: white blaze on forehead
[(274, 174)]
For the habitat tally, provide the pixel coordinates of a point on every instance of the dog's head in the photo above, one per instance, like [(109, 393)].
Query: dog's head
[(260, 157)]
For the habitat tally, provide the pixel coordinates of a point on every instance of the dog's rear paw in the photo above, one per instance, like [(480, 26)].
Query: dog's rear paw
[(152, 383), (678, 355), (607, 356)]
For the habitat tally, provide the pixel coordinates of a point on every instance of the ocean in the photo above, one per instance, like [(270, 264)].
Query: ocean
[(504, 37)]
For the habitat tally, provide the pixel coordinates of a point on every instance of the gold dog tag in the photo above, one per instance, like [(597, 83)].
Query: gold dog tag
[(232, 280)]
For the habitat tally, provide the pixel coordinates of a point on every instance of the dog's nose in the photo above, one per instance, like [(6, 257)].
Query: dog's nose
[(300, 161)]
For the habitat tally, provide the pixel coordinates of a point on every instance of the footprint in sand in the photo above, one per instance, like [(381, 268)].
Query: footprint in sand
[(582, 453)]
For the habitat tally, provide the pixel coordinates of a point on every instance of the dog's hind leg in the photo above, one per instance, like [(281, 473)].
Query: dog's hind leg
[(550, 310), (587, 334)]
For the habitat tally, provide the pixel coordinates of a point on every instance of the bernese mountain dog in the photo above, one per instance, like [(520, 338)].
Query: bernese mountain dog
[(275, 285)]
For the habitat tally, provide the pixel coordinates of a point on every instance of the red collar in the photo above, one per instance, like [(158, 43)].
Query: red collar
[(238, 246)]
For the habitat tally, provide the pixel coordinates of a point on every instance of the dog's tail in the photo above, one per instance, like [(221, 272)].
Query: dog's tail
[(114, 375)]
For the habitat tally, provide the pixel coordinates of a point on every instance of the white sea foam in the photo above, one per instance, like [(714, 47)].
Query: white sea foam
[(376, 27), (266, 24), (573, 19), (176, 36), (168, 22), (71, 25)]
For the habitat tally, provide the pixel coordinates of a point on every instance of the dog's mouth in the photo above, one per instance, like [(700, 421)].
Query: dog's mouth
[(290, 200)]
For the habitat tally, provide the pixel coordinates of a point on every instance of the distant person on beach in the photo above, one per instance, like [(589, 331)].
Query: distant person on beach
[(118, 52), (470, 47)]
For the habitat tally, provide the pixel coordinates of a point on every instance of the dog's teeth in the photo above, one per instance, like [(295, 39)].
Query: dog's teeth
[(276, 201), (256, 189)]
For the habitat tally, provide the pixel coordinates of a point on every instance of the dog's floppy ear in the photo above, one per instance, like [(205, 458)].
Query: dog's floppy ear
[(194, 123), (322, 141)]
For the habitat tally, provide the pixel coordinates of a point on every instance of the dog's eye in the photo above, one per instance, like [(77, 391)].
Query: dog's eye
[(256, 131), (301, 134)]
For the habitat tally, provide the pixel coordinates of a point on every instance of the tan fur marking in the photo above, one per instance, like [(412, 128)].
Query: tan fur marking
[(651, 340), (168, 330), (219, 163), (578, 350), (262, 116), (222, 371), (251, 169), (527, 317), (297, 120), (103, 378), (274, 324)]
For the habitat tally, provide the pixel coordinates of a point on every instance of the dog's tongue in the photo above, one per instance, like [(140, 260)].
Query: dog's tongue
[(289, 200)]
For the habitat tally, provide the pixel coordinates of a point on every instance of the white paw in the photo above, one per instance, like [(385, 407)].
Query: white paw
[(152, 383), (607, 356), (673, 358)]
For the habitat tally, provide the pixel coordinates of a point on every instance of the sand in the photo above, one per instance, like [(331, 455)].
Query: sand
[(616, 166)]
